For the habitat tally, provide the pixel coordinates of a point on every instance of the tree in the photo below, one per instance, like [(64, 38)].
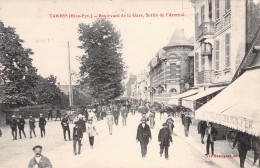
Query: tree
[(18, 76), (102, 67), (48, 93)]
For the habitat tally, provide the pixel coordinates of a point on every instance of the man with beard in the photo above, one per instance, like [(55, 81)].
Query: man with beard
[(39, 160), (42, 123), (21, 123), (144, 136)]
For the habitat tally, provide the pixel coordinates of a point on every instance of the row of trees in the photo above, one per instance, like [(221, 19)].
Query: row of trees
[(19, 83)]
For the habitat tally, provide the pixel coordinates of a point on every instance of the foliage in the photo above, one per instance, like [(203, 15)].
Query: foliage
[(18, 76), (102, 67), (48, 93)]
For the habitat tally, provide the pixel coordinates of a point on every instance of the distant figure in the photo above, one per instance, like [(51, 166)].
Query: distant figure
[(39, 161), (92, 131), (242, 141), (202, 126), (58, 115), (13, 126), (77, 137), (50, 114), (143, 136), (164, 139), (21, 123), (110, 122), (81, 123), (170, 123), (187, 122), (32, 126), (65, 126), (151, 118), (42, 123), (92, 116), (124, 113), (211, 134), (116, 115)]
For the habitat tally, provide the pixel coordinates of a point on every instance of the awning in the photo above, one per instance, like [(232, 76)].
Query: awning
[(175, 99), (237, 106), (190, 102)]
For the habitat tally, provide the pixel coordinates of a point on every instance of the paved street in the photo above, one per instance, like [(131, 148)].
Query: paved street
[(118, 150)]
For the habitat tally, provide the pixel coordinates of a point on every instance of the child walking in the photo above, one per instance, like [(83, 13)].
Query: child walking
[(91, 130)]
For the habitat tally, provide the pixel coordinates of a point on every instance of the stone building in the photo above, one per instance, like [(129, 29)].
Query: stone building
[(172, 68)]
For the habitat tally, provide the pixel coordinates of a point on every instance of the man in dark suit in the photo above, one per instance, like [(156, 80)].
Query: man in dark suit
[(13, 126), (42, 123), (50, 114), (32, 126), (77, 137), (202, 126), (144, 136), (242, 140), (116, 114), (21, 123), (187, 122), (211, 134), (164, 139), (58, 114), (65, 126)]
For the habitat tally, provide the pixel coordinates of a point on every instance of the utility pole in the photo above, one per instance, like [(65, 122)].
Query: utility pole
[(70, 86)]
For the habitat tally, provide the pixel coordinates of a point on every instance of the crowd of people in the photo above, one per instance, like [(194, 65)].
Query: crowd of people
[(85, 118)]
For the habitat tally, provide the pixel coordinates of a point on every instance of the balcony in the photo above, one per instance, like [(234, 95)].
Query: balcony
[(205, 76), (204, 30)]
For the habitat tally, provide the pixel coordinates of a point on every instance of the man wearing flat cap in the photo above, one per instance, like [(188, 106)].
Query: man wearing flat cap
[(164, 139), (39, 161), (144, 136)]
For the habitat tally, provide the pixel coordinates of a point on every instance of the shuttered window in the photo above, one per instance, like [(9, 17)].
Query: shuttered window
[(228, 5), (217, 54), (173, 71), (227, 50), (217, 9), (202, 63), (202, 14)]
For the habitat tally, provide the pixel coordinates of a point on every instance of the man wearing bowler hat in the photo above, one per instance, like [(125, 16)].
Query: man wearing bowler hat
[(39, 160), (144, 136)]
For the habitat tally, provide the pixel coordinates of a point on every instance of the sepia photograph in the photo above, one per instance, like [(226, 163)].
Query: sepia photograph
[(130, 83)]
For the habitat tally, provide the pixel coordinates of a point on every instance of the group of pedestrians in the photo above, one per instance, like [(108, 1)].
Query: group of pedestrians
[(20, 124)]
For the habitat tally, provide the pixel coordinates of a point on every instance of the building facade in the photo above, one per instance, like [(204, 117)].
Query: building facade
[(171, 70)]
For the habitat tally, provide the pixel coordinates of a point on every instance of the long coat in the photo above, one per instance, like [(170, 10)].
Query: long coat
[(202, 126), (21, 123), (165, 137), (31, 123), (44, 163), (65, 123), (212, 135), (143, 133), (77, 133), (42, 122)]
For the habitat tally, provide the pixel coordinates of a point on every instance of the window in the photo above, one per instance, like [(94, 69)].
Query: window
[(228, 5), (173, 71), (217, 54), (202, 63), (196, 23), (217, 9), (227, 50), (202, 14), (196, 62)]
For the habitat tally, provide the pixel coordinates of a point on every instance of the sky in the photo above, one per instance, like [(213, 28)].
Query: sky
[(48, 37)]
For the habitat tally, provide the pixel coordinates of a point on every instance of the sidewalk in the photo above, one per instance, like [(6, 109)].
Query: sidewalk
[(222, 147)]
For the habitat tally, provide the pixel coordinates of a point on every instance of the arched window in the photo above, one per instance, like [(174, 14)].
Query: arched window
[(173, 90)]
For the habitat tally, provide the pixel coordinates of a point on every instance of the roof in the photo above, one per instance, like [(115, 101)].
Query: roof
[(178, 39)]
